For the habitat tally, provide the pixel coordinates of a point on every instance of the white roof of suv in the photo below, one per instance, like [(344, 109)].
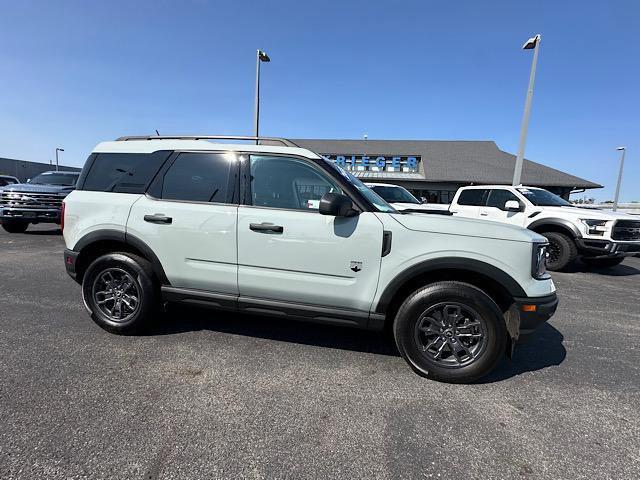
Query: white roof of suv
[(153, 145)]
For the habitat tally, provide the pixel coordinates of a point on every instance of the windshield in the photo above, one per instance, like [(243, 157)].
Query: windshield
[(57, 178), (370, 195), (543, 198), (395, 194)]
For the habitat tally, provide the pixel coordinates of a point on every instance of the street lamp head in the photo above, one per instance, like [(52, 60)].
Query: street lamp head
[(621, 148), (531, 43), (60, 149), (263, 56)]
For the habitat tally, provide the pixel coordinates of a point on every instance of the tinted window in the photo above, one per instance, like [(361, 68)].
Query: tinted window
[(475, 197), (497, 198), (395, 194), (123, 172), (198, 177), (288, 183), (55, 178), (4, 182), (544, 198)]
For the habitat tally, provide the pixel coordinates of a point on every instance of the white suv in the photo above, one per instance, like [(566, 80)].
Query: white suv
[(602, 238), (278, 230)]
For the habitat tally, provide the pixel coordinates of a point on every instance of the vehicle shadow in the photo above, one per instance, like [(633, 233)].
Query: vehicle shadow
[(622, 270), (543, 350), (182, 319), (53, 231)]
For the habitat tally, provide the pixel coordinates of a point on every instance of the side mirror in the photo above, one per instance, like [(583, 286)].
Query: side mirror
[(28, 180), (512, 206), (337, 205), (423, 199)]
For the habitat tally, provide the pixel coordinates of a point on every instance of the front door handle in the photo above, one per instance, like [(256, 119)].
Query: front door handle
[(158, 218), (266, 227)]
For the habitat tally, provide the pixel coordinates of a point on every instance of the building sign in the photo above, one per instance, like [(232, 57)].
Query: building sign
[(375, 163)]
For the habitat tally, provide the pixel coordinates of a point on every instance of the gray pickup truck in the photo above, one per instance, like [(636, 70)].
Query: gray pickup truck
[(37, 201)]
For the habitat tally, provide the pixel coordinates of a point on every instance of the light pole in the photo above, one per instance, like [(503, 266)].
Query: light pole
[(532, 43), (58, 150), (615, 200), (260, 57)]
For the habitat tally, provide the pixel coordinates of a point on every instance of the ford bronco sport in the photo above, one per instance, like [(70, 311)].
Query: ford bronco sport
[(270, 228), (603, 239)]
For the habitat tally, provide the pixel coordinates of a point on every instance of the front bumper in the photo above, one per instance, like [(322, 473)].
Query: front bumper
[(533, 312), (31, 215), (608, 248)]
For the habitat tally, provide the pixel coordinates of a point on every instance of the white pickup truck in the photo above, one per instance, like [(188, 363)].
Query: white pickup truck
[(602, 238)]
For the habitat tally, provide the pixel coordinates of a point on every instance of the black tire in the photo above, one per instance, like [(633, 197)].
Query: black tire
[(603, 262), (15, 226), (562, 251), (414, 339), (101, 294)]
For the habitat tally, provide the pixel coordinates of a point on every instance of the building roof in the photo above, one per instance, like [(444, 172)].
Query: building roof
[(456, 161)]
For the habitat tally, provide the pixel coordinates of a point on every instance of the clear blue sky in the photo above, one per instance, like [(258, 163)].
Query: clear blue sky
[(76, 73)]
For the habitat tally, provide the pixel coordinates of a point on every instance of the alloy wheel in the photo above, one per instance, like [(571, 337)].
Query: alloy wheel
[(116, 294)]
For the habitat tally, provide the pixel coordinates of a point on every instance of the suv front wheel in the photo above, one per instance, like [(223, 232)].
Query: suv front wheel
[(119, 292), (450, 331)]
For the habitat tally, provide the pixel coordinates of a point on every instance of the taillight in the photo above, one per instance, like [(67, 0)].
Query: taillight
[(62, 217)]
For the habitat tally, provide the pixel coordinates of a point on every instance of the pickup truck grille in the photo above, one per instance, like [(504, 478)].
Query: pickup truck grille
[(626, 230), (30, 200)]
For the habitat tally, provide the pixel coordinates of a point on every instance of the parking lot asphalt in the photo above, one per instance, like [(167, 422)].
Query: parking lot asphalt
[(218, 395)]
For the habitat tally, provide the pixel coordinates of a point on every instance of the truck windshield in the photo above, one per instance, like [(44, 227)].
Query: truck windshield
[(374, 198), (543, 198), (395, 194), (56, 178)]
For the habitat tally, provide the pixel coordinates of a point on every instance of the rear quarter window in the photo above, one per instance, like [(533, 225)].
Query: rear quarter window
[(123, 172)]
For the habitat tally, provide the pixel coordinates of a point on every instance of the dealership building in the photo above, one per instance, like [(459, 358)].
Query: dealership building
[(435, 169)]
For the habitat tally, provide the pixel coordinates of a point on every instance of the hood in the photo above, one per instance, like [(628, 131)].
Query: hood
[(419, 206), (593, 213), (470, 227), (37, 188)]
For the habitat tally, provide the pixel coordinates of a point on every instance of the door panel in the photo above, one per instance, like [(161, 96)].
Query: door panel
[(197, 249), (315, 259)]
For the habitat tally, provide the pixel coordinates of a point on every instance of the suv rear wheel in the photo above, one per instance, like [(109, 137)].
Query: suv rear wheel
[(562, 251), (119, 291), (450, 331), (15, 226)]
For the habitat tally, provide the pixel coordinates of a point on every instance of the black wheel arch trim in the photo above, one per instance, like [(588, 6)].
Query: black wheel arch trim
[(448, 263), (128, 239), (556, 222)]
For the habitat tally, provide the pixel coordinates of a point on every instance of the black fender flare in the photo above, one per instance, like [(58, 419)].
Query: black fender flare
[(448, 263), (127, 239), (556, 222)]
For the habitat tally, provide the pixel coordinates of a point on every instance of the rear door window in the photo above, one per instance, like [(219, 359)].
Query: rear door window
[(199, 177), (476, 197), (123, 172)]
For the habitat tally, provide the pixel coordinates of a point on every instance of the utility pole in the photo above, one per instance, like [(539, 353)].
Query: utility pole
[(532, 43)]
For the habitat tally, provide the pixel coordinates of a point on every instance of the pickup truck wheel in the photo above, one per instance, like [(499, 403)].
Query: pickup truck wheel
[(119, 292), (15, 226), (603, 262), (562, 251), (451, 332)]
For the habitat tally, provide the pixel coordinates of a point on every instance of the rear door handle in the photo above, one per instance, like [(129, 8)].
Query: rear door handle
[(266, 227), (158, 218)]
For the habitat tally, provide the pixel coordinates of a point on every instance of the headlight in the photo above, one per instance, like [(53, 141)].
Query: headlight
[(595, 227), (539, 261)]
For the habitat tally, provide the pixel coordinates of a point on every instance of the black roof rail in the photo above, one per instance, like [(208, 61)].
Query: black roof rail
[(258, 140)]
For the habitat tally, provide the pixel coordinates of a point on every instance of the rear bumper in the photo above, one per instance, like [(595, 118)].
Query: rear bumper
[(31, 215), (533, 312), (70, 258), (608, 248)]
